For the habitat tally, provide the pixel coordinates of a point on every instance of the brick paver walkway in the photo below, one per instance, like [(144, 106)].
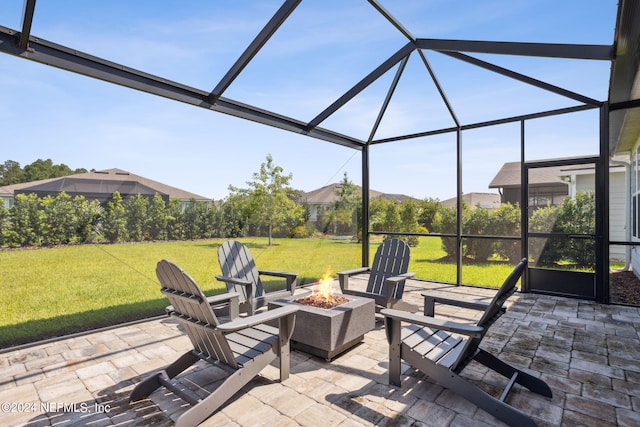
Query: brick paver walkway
[(588, 353)]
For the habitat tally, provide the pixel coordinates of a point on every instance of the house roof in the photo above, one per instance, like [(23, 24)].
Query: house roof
[(327, 194), (509, 176), (624, 82), (101, 182), (485, 200)]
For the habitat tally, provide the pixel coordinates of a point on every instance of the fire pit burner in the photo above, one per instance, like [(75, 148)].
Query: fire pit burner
[(320, 301)]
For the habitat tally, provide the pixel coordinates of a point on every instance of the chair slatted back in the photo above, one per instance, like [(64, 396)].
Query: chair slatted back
[(194, 312), (236, 261), (491, 314), (391, 259), (506, 290)]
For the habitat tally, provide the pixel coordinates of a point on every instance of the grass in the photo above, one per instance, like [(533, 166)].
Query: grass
[(53, 291)]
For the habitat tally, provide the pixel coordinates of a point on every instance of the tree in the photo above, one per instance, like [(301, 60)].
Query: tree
[(136, 217), (174, 220), (270, 197), (157, 215), (409, 221), (88, 214), (115, 220), (26, 221), (428, 209), (43, 169), (58, 219), (11, 173), (234, 215), (348, 200)]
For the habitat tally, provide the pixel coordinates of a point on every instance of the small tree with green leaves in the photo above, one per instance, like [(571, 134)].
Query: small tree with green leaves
[(174, 220), (136, 208), (271, 199), (114, 224), (157, 218), (346, 204), (427, 211), (59, 222), (4, 223), (88, 213), (26, 221)]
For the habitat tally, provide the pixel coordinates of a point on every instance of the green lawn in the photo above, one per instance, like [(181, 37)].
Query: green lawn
[(51, 291)]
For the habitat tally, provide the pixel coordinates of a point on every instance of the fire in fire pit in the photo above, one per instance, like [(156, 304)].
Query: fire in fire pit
[(323, 296)]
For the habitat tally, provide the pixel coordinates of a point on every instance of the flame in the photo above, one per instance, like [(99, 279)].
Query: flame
[(324, 289)]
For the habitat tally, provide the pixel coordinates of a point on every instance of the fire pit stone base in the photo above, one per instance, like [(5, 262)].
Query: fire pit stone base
[(328, 332)]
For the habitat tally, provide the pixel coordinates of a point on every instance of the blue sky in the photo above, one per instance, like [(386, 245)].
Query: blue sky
[(323, 49)]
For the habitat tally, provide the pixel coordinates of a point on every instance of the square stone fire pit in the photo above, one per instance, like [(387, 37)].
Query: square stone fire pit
[(328, 332)]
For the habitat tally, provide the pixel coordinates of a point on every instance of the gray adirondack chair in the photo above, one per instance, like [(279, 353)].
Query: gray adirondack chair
[(240, 274), (387, 275), (243, 346), (441, 349)]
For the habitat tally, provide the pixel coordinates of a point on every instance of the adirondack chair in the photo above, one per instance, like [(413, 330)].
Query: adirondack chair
[(441, 350), (387, 275), (243, 346), (240, 274)]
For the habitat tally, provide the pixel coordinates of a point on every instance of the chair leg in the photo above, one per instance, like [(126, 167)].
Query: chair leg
[(480, 398), (149, 385), (534, 384), (231, 385), (393, 332)]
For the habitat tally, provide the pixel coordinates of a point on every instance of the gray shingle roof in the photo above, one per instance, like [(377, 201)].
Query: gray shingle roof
[(327, 194), (105, 181)]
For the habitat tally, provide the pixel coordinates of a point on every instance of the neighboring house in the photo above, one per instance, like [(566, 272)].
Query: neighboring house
[(550, 186), (98, 185), (324, 198), (483, 200), (546, 186)]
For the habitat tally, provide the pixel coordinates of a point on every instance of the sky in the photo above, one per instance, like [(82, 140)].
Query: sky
[(324, 48)]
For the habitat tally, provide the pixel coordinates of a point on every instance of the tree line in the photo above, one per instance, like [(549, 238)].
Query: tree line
[(269, 206), (12, 173)]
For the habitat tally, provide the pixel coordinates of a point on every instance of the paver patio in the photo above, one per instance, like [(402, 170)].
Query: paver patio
[(587, 352)]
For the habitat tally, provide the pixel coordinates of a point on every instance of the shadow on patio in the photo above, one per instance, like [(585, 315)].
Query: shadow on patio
[(586, 352)]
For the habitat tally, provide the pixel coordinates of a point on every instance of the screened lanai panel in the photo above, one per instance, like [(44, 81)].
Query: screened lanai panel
[(11, 13), (498, 96), (527, 21), (193, 43), (564, 135), (491, 216), (427, 167), (318, 54), (417, 104), (573, 75)]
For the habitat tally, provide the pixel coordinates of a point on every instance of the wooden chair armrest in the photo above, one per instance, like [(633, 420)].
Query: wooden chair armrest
[(277, 273), (231, 298), (343, 276), (292, 278), (354, 271), (234, 280), (257, 319), (430, 300), (400, 277), (443, 325), (390, 284)]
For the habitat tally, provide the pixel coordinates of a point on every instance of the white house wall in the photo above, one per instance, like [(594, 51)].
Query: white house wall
[(618, 213), (617, 207)]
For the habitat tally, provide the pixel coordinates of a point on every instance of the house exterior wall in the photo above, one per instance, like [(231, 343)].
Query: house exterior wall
[(617, 207), (618, 214), (635, 196)]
